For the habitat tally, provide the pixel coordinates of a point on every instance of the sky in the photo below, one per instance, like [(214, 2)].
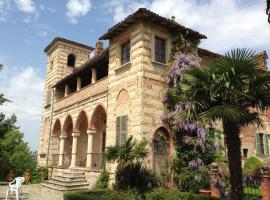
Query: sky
[(28, 26)]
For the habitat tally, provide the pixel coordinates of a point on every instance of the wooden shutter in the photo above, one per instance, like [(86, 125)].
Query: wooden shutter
[(265, 142), (118, 130), (258, 146), (123, 135)]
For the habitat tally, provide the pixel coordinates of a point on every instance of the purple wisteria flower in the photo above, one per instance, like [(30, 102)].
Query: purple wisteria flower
[(196, 163)]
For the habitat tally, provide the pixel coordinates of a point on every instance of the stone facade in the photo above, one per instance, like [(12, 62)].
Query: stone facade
[(89, 97)]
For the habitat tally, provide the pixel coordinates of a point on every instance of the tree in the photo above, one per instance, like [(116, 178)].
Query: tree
[(130, 173), (127, 153), (233, 89), (15, 154)]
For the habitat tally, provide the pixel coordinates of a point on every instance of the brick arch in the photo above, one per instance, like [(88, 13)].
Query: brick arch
[(67, 123), (122, 96), (82, 118), (161, 148), (56, 131), (99, 108)]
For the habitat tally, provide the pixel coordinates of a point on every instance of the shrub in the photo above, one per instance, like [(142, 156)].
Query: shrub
[(101, 194), (166, 194), (39, 175), (250, 164), (84, 195), (135, 176), (117, 195), (103, 180)]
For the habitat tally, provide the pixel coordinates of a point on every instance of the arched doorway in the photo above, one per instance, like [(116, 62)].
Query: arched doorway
[(81, 126), (98, 122), (67, 131), (55, 142), (160, 148)]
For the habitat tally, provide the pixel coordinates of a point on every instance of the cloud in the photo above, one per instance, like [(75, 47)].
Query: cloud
[(77, 8), (27, 6), (4, 8), (24, 87), (227, 24)]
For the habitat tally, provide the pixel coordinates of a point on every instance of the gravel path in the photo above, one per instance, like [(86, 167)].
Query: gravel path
[(33, 192)]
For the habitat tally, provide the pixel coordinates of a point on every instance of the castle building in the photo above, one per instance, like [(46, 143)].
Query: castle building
[(92, 102)]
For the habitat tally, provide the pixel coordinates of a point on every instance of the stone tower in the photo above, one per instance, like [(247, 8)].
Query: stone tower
[(64, 56)]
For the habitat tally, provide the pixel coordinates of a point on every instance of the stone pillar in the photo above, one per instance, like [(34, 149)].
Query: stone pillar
[(79, 83), (94, 75), (90, 133), (214, 177), (75, 136), (66, 89), (265, 186), (61, 152)]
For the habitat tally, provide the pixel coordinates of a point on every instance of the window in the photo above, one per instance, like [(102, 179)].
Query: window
[(71, 60), (51, 64), (121, 129), (125, 52), (262, 144), (160, 50), (245, 153)]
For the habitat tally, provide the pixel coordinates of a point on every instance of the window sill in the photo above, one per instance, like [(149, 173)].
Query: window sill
[(123, 67), (159, 64)]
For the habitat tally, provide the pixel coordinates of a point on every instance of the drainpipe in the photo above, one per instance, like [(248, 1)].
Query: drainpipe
[(50, 129)]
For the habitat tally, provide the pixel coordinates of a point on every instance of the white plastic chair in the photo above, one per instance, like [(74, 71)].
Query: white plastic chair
[(14, 186)]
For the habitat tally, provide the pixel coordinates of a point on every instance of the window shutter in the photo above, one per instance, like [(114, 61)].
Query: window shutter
[(265, 142), (117, 130), (258, 147), (123, 129)]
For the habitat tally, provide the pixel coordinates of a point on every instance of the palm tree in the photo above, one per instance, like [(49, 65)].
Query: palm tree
[(127, 153), (233, 89)]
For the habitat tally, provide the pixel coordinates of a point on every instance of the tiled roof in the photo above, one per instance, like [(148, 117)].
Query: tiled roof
[(147, 15), (89, 64), (57, 39)]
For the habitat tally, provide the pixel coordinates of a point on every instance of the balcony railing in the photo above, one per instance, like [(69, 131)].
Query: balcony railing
[(89, 91)]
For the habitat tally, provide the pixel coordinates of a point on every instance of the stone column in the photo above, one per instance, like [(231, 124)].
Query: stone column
[(75, 136), (66, 89), (90, 133), (214, 177), (265, 186), (79, 83), (63, 137), (94, 75)]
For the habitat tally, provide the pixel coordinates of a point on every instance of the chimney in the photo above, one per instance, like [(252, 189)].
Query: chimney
[(173, 18), (99, 48), (263, 58)]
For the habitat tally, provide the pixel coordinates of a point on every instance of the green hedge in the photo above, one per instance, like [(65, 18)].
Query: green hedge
[(157, 194), (169, 194), (84, 195), (100, 194)]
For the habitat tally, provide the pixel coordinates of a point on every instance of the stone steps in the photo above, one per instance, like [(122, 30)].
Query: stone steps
[(67, 180)]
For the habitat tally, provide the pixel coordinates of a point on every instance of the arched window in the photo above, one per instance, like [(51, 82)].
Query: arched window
[(71, 60), (160, 150)]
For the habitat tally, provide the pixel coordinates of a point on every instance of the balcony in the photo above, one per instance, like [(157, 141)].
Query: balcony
[(91, 90)]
